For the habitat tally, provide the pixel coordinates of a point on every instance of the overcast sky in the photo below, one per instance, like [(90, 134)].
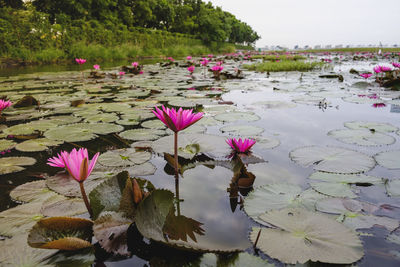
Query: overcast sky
[(319, 22)]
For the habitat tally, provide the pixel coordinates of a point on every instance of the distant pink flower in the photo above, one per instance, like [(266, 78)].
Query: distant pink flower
[(96, 67), (189, 58), (141, 72), (219, 63), (396, 65), (56, 161), (191, 88), (121, 73), (385, 69), (171, 59), (210, 56), (80, 61), (366, 75), (217, 68), (361, 95), (135, 64), (204, 62), (191, 69), (373, 96), (379, 105), (239, 145), (4, 104), (377, 69), (177, 120)]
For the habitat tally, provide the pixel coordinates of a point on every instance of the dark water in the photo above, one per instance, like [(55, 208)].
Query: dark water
[(204, 188)]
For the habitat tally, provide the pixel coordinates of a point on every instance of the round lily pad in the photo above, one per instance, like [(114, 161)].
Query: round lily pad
[(153, 124), (123, 157), (393, 187), (32, 191), (59, 205), (35, 145), (14, 164), (346, 178), (274, 104), (6, 144), (142, 134), (389, 159), (311, 237), (374, 126), (242, 130), (20, 219), (237, 116), (362, 137), (332, 159), (333, 189)]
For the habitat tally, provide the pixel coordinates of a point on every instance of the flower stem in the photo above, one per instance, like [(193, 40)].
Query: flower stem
[(85, 199), (176, 153)]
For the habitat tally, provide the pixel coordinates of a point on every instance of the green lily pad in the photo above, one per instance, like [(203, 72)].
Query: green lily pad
[(308, 100), (389, 159), (191, 145), (32, 191), (236, 116), (142, 134), (35, 145), (14, 164), (393, 187), (6, 144), (116, 225), (362, 137), (70, 133), (274, 104), (123, 157), (20, 219), (153, 124), (59, 205), (344, 205), (21, 253), (278, 196), (242, 130), (346, 178), (394, 237), (102, 117), (377, 126), (312, 237), (64, 233), (333, 189), (332, 159)]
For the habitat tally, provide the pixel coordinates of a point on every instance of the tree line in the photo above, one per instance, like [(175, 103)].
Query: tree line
[(193, 17)]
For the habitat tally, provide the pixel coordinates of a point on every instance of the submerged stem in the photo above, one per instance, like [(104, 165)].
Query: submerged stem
[(176, 154), (85, 199)]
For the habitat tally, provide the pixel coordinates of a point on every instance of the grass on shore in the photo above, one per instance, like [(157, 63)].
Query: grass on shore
[(279, 57), (283, 66)]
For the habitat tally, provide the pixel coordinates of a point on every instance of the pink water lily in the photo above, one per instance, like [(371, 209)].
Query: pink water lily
[(377, 69), (4, 104), (171, 59), (121, 73), (191, 69), (366, 75), (56, 161), (188, 58), (135, 64), (77, 163), (385, 68), (204, 62), (396, 65), (96, 67), (379, 105), (80, 61), (177, 120), (217, 68), (239, 145)]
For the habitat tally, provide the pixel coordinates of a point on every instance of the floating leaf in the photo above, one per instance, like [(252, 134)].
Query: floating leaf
[(19, 219), (61, 206), (191, 145), (35, 145), (374, 126), (389, 159), (242, 130), (307, 236), (64, 233), (6, 144), (274, 104), (346, 178), (123, 157), (153, 124), (32, 191), (110, 229), (393, 188), (237, 116), (332, 159), (278, 196), (334, 189), (362, 137), (13, 164), (142, 134)]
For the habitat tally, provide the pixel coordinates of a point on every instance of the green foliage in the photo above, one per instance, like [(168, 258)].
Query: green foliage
[(355, 49), (279, 57), (284, 65)]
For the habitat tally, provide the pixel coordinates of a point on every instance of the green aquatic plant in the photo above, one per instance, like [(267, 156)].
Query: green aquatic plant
[(283, 66)]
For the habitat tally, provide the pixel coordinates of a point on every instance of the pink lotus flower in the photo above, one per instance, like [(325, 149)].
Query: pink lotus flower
[(135, 64), (210, 56), (385, 69), (76, 162), (373, 96), (96, 67), (56, 161), (396, 65), (177, 120), (80, 61), (204, 62), (141, 72), (121, 73), (189, 58), (191, 69), (217, 68), (171, 59), (377, 69), (4, 104), (240, 146), (379, 105), (366, 75)]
